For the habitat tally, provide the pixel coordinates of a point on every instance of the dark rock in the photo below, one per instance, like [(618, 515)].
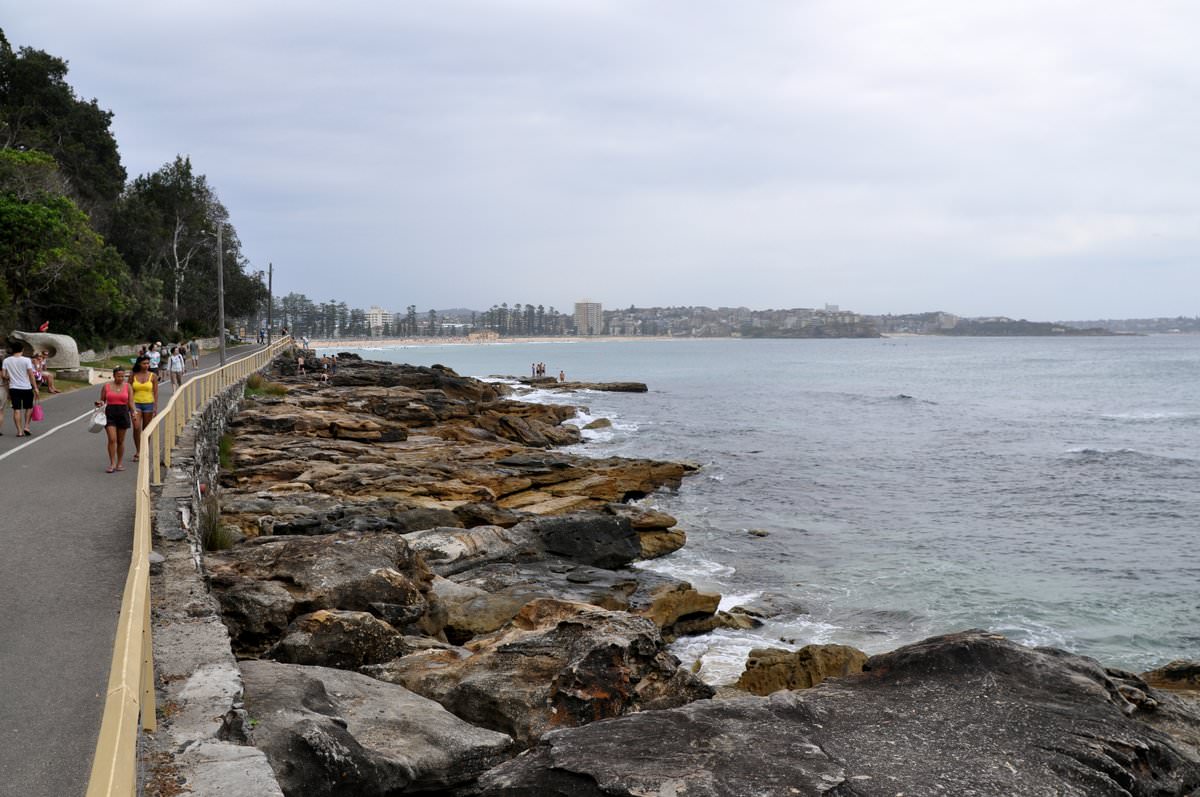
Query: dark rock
[(590, 539), (961, 714), (331, 733), (481, 514)]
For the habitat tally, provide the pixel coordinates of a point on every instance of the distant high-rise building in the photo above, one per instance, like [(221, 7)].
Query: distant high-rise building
[(376, 318), (589, 318)]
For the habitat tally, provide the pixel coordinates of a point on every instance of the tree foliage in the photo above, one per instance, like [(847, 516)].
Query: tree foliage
[(40, 111), (52, 263)]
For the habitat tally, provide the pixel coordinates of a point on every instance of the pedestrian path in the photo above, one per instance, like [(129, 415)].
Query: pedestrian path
[(66, 530)]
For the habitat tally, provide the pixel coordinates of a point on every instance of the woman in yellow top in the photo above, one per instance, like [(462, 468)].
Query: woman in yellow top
[(145, 400)]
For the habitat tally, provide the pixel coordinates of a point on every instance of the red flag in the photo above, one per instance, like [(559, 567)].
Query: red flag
[(45, 325)]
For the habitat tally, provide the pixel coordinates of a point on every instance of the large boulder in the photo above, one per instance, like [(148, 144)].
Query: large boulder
[(267, 582), (331, 733), (967, 713), (771, 669), (557, 664)]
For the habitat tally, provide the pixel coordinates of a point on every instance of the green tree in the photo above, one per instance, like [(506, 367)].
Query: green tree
[(40, 111), (165, 227), (53, 265)]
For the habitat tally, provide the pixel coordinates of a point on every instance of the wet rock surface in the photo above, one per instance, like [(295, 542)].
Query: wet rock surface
[(966, 713)]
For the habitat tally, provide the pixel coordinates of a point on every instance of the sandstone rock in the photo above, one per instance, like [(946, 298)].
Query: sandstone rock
[(329, 733), (336, 638), (967, 713), (658, 543), (642, 518), (1180, 675), (453, 550), (266, 582), (771, 669), (557, 664), (599, 423)]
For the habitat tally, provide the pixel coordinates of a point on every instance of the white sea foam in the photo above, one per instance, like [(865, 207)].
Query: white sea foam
[(729, 601), (687, 565)]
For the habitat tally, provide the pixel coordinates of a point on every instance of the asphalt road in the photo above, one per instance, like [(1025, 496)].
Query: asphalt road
[(66, 533)]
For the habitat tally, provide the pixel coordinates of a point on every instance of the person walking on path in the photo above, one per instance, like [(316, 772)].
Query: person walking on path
[(194, 350), (22, 388), (176, 366), (145, 401), (116, 397)]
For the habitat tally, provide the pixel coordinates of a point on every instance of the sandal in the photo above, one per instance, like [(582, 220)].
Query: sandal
[(120, 467), (109, 469)]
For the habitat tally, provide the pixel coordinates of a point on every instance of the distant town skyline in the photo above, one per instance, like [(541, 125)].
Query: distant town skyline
[(990, 158)]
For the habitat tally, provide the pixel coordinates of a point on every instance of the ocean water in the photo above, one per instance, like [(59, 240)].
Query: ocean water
[(1046, 489)]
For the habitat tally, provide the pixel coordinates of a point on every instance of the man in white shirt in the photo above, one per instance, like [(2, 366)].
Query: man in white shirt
[(22, 388)]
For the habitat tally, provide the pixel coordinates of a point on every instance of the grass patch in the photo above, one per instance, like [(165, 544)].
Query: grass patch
[(257, 385), (225, 451), (213, 536)]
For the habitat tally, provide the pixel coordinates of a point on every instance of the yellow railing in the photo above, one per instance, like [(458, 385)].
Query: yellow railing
[(130, 694)]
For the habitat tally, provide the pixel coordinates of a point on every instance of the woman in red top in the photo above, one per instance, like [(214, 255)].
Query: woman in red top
[(116, 398)]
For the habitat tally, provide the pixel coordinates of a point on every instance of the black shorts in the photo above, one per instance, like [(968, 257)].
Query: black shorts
[(117, 416), (22, 399)]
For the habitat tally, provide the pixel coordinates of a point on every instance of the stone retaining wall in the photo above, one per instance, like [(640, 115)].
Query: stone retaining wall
[(199, 686), (128, 351)]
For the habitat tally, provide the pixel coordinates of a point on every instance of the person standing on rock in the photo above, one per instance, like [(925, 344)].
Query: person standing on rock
[(22, 387), (145, 401), (116, 398)]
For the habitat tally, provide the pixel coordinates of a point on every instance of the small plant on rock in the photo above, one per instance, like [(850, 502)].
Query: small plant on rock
[(213, 536)]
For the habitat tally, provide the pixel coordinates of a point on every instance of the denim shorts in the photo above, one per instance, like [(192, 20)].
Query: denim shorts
[(145, 407)]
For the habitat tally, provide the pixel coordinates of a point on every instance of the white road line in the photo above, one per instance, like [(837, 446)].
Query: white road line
[(44, 435)]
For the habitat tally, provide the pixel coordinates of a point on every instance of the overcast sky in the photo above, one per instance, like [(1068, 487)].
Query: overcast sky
[(1032, 159)]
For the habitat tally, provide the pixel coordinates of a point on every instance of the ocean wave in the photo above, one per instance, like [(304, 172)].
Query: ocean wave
[(1151, 417)]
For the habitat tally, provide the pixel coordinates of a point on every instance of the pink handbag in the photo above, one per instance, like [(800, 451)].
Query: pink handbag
[(37, 415)]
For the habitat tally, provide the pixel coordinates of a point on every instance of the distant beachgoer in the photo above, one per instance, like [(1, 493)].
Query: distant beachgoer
[(155, 357), (144, 383), (333, 364), (116, 397), (533, 369), (562, 377), (300, 365), (22, 387), (176, 366)]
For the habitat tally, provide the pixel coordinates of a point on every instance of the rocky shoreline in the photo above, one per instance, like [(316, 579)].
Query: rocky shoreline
[(427, 597)]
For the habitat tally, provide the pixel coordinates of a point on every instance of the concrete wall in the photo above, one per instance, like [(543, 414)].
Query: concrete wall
[(202, 721), (128, 351)]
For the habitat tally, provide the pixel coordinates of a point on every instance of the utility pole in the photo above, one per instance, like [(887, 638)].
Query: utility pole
[(270, 299), (220, 293)]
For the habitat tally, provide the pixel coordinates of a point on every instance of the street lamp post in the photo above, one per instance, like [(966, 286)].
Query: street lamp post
[(220, 293)]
